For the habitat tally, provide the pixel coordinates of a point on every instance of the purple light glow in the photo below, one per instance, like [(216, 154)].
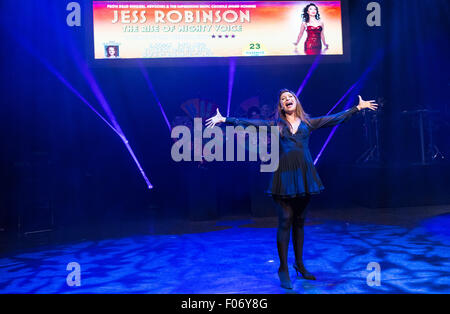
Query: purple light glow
[(84, 69), (345, 95), (310, 72), (149, 185), (116, 128), (336, 127), (325, 145), (379, 56), (82, 65), (152, 89), (231, 72), (60, 77)]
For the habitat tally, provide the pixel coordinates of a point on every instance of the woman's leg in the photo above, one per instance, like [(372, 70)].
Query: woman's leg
[(285, 219), (298, 232), (298, 235)]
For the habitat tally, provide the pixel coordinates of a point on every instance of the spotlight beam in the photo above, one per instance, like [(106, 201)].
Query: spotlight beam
[(231, 73), (379, 56), (326, 143), (61, 78), (22, 42), (309, 74), (347, 105), (82, 65), (149, 185), (152, 89), (343, 97)]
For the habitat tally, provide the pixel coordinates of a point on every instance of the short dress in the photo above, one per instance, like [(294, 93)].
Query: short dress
[(296, 174), (313, 43)]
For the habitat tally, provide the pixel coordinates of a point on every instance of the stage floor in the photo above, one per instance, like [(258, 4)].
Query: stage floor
[(238, 255)]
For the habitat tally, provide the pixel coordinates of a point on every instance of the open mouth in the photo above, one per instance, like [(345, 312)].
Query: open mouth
[(289, 104)]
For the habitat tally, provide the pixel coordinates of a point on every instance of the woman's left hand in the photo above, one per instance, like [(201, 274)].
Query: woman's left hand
[(367, 104)]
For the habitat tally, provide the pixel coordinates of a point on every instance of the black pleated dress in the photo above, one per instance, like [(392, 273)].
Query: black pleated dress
[(296, 174)]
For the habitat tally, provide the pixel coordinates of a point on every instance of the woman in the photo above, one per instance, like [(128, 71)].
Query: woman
[(112, 52), (314, 27), (296, 178)]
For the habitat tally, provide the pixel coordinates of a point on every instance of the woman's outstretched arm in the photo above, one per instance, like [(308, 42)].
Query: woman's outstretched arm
[(341, 117), (332, 120), (218, 118)]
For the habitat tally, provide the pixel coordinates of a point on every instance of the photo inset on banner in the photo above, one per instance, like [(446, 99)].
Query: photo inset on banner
[(112, 51)]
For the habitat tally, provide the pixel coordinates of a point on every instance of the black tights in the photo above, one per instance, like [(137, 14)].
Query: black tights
[(291, 213)]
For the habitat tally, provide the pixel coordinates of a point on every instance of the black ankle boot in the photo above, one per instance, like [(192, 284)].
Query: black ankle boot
[(285, 281), (305, 274)]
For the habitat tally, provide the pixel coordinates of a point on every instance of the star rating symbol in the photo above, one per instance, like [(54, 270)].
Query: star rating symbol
[(220, 36)]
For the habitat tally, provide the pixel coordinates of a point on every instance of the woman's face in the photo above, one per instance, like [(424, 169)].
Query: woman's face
[(312, 11), (111, 51), (288, 102)]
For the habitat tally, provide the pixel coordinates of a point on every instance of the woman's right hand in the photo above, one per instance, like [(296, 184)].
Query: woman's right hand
[(218, 118)]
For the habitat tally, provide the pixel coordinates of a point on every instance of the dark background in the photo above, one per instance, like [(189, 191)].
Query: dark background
[(63, 168)]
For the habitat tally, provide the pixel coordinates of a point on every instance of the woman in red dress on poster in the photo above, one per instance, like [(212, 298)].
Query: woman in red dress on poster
[(314, 27)]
